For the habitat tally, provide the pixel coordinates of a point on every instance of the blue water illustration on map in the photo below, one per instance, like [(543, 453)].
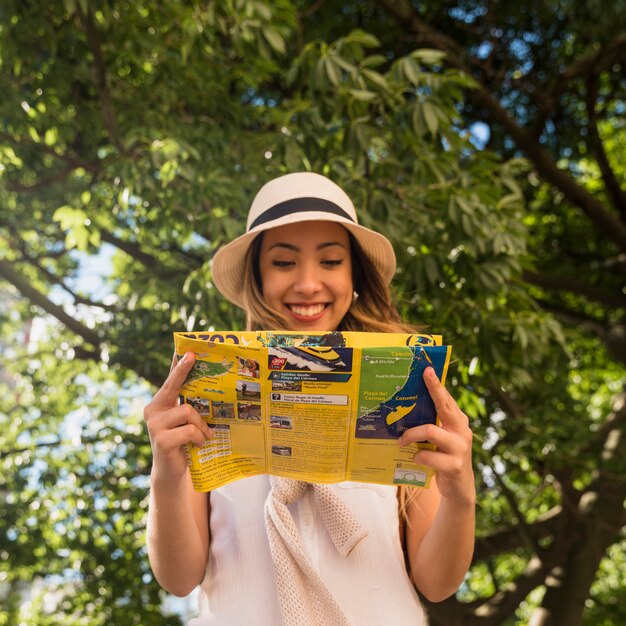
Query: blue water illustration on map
[(410, 405)]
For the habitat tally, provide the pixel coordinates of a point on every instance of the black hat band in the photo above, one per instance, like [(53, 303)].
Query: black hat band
[(299, 205)]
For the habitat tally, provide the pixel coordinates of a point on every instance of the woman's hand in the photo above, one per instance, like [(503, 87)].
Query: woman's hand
[(453, 438), (171, 424)]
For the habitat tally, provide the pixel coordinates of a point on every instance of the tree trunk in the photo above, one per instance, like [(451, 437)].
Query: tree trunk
[(600, 518)]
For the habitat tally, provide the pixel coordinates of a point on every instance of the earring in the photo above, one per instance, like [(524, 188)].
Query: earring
[(355, 296)]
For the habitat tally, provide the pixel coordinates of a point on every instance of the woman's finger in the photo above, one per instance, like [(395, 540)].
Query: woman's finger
[(446, 464), (174, 362), (167, 395), (176, 417), (171, 440), (445, 441), (448, 411)]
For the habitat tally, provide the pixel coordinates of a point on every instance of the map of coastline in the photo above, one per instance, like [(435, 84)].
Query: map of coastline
[(410, 405)]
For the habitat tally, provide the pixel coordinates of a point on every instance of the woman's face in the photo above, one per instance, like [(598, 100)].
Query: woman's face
[(306, 274)]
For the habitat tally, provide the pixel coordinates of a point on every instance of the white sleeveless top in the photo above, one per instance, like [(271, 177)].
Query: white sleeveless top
[(371, 585)]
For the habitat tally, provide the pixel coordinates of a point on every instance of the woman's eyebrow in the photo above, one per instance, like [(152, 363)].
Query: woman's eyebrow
[(328, 244), (288, 246), (294, 248)]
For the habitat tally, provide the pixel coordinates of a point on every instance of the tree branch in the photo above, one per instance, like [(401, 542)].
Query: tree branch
[(73, 161), (501, 605), (603, 441), (314, 8), (507, 539), (613, 228), (131, 248), (597, 524), (36, 297), (612, 335), (43, 444), (593, 63), (507, 403), (494, 610), (42, 182), (95, 439), (27, 258), (608, 175), (108, 112), (134, 250), (524, 527), (552, 282)]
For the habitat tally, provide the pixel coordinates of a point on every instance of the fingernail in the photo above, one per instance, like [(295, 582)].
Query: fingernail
[(185, 358)]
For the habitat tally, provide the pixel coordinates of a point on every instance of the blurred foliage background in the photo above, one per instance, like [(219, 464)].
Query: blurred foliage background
[(485, 139)]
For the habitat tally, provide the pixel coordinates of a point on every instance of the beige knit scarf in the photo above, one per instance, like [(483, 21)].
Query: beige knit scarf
[(303, 597)]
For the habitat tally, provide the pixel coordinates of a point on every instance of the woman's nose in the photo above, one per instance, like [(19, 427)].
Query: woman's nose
[(308, 279)]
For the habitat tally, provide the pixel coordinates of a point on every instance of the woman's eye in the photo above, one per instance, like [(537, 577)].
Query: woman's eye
[(282, 263), (332, 262)]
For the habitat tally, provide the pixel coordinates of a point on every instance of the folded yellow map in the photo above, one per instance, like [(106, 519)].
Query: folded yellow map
[(320, 407)]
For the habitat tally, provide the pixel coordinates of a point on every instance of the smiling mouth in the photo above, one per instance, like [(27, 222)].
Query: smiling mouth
[(308, 310)]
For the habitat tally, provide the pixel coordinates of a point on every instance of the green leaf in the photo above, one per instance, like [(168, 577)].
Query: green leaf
[(292, 74), (376, 78), (430, 117), (342, 63), (275, 40), (411, 70), (466, 207), (429, 56), (417, 119), (521, 336), (431, 269), (69, 217), (467, 225), (332, 71), (367, 40), (362, 94), (319, 79), (262, 10), (374, 60), (508, 200), (453, 214), (51, 136)]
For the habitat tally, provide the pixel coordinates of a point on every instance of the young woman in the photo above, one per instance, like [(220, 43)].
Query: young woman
[(266, 551)]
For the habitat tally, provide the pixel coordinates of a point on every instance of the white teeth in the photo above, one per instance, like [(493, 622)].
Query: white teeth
[(307, 311)]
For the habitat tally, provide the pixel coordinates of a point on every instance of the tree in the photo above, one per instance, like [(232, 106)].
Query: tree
[(140, 132)]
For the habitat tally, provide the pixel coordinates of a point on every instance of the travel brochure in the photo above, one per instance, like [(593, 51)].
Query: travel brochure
[(319, 407)]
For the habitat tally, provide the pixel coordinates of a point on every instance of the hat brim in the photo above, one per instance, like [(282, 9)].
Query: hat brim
[(228, 266)]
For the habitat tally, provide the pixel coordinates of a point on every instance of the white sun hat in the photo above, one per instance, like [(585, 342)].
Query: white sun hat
[(298, 197)]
